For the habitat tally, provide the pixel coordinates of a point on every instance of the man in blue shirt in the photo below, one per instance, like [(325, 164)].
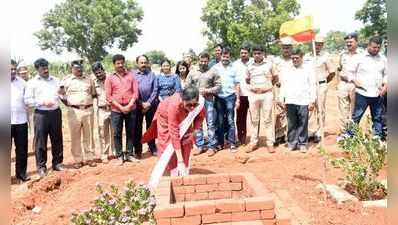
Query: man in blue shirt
[(217, 55), (226, 99), (147, 102)]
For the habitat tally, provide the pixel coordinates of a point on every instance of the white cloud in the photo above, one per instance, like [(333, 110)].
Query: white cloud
[(173, 26)]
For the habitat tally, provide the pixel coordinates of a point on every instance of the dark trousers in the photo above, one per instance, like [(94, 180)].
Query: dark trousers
[(19, 132), (241, 119), (225, 108), (138, 129), (117, 125), (376, 112), (297, 125), (48, 123)]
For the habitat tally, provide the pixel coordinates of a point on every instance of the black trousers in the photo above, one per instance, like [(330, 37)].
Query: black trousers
[(48, 123), (138, 128), (297, 125), (19, 132), (117, 119)]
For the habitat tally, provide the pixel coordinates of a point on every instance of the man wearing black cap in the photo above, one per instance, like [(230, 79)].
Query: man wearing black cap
[(345, 89), (42, 93), (79, 92)]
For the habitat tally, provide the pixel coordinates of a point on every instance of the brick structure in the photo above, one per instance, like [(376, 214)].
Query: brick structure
[(224, 199)]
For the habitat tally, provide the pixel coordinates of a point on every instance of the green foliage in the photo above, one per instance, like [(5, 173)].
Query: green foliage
[(365, 158), (132, 206), (334, 41), (232, 22), (374, 16), (88, 27), (156, 56)]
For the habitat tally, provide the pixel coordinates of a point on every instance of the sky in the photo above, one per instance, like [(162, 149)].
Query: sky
[(172, 26)]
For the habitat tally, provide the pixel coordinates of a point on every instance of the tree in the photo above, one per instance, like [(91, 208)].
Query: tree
[(232, 22), (89, 27), (334, 41), (156, 56), (374, 16)]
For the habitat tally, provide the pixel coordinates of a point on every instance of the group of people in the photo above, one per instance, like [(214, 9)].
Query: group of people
[(286, 93)]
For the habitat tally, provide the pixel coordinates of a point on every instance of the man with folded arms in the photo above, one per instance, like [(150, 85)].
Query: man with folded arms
[(79, 91)]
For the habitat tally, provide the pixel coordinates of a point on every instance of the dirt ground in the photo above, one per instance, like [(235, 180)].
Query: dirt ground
[(61, 193)]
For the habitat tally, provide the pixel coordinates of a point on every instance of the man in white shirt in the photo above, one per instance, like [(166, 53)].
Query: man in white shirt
[(19, 123), (241, 113), (370, 80), (42, 93), (298, 94), (259, 78)]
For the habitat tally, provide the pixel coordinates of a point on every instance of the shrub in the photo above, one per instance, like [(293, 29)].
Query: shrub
[(133, 206), (365, 157)]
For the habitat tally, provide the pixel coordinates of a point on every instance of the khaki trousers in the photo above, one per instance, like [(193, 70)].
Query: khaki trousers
[(346, 103), (81, 123), (279, 117), (261, 104), (105, 132), (317, 116)]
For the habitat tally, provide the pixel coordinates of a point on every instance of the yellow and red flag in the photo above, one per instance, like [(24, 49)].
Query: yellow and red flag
[(301, 30)]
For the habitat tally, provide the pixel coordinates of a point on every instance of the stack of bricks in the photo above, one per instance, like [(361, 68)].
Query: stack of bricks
[(214, 199)]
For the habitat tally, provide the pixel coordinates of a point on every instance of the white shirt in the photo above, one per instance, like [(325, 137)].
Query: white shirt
[(39, 90), (371, 73), (18, 107), (298, 85), (242, 73)]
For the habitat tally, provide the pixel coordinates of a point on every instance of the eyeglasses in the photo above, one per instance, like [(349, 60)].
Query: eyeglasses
[(192, 104), (295, 58)]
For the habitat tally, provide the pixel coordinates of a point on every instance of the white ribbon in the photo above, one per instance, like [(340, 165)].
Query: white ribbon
[(160, 166)]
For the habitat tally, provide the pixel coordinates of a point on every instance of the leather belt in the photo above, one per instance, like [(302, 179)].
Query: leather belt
[(260, 91), (81, 106), (322, 82), (104, 107)]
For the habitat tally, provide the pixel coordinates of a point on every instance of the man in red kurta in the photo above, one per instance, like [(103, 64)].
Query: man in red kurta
[(166, 126)]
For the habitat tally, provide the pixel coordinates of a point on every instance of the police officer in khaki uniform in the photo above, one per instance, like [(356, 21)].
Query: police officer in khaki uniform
[(79, 91), (324, 72), (103, 112), (281, 63), (345, 89)]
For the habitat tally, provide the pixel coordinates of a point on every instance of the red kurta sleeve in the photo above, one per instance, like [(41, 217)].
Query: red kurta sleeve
[(135, 90), (173, 114), (197, 123), (108, 88)]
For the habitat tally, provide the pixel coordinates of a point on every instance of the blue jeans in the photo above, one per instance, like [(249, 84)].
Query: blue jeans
[(225, 107), (376, 112), (211, 127)]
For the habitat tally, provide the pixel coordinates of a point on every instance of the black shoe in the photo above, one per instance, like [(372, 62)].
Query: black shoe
[(59, 167), (317, 139), (23, 178), (42, 172)]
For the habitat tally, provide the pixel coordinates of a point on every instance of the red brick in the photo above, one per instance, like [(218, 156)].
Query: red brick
[(267, 214), (216, 218), (196, 196), (230, 205), (169, 211), (180, 197), (200, 208), (269, 222), (255, 185), (164, 221), (283, 217), (194, 180), (245, 216), (220, 194), (191, 220), (259, 203), (162, 200), (162, 192), (217, 178), (184, 189), (176, 181), (230, 186), (164, 183), (206, 188), (234, 178)]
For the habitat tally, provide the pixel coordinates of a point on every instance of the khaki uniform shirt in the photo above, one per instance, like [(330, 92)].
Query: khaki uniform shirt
[(79, 91), (260, 75), (322, 65), (100, 91), (280, 63), (348, 63)]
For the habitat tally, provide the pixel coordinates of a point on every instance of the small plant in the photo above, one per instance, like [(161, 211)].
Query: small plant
[(132, 206), (365, 157)]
